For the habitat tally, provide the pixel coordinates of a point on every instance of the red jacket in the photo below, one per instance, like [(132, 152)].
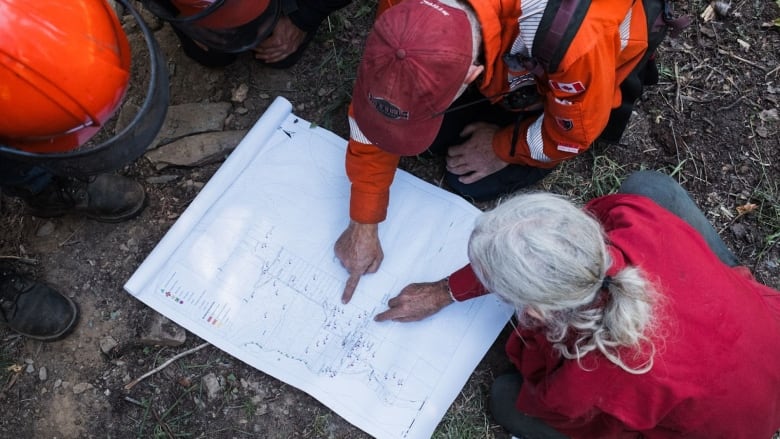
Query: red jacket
[(717, 367), (577, 99)]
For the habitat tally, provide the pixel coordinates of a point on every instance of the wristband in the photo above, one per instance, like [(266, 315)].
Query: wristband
[(449, 290)]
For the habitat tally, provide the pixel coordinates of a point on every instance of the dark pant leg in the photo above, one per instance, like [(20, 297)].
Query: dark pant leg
[(668, 194), (497, 184), (503, 395), (22, 179), (505, 181)]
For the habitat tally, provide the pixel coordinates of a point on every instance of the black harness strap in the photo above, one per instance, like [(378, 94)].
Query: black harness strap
[(560, 22)]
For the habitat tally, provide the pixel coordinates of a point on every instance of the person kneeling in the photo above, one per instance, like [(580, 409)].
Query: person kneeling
[(633, 318)]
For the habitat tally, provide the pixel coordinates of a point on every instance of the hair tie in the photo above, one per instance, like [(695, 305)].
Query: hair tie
[(606, 282)]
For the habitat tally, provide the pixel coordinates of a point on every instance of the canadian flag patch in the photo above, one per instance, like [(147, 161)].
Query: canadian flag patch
[(568, 87)]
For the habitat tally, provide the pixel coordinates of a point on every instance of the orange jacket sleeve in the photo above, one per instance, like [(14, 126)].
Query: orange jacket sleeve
[(371, 171)]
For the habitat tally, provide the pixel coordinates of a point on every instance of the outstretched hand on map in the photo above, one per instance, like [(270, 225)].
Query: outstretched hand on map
[(416, 302), (360, 252)]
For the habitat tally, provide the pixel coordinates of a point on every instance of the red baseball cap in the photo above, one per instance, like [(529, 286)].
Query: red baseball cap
[(415, 62)]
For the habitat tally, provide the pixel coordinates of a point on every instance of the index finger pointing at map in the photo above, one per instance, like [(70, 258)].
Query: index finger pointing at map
[(349, 288)]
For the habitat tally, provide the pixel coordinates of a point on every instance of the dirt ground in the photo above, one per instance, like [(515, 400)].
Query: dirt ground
[(712, 122)]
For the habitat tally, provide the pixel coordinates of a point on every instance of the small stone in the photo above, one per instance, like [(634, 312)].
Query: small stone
[(45, 230), (163, 332), (229, 121), (30, 368), (738, 230), (162, 179), (81, 388), (196, 150), (57, 383), (213, 388), (107, 344), (189, 119), (43, 374), (240, 93)]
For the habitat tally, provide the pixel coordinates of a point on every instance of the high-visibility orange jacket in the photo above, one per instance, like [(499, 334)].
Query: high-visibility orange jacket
[(577, 98)]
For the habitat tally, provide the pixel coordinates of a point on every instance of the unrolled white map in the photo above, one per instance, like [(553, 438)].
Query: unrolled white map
[(249, 267)]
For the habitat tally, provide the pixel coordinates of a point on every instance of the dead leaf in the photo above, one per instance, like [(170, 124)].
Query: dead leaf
[(746, 208), (767, 115)]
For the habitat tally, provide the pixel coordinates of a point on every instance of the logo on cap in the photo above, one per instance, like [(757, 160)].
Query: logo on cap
[(387, 109)]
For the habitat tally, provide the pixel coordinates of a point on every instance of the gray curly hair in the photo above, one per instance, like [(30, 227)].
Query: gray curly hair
[(548, 259)]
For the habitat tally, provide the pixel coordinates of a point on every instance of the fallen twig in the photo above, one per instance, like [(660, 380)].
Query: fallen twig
[(20, 259), (131, 384), (67, 240), (677, 100), (163, 425), (731, 105), (746, 61), (10, 384), (136, 402)]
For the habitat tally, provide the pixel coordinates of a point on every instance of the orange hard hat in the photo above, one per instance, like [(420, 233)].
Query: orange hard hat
[(50, 105), (64, 70), (225, 25)]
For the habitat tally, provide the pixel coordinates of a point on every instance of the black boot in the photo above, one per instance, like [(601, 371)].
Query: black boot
[(34, 309), (107, 197)]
